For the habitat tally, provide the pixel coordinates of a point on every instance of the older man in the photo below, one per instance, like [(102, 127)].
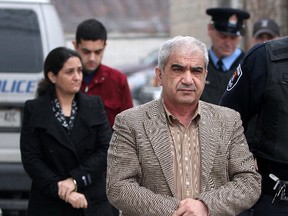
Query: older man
[(178, 155)]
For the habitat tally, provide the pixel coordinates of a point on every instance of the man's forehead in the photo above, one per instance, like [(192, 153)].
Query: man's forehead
[(187, 53), (91, 46), (186, 50), (187, 61), (226, 34)]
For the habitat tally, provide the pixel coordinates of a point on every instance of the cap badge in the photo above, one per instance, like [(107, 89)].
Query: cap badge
[(264, 23), (232, 21)]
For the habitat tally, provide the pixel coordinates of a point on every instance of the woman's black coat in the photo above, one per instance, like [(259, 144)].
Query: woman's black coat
[(49, 155)]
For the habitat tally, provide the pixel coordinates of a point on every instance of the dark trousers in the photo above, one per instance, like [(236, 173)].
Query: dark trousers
[(115, 211), (248, 212), (264, 207)]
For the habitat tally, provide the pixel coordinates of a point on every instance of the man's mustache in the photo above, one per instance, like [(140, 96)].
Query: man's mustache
[(186, 87)]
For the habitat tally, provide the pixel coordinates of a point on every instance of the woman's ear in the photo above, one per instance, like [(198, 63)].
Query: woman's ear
[(51, 77)]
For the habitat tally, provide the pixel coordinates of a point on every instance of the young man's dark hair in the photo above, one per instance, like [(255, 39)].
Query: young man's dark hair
[(91, 29)]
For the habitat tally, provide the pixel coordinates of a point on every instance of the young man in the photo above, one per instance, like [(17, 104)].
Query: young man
[(225, 30), (98, 79), (178, 155)]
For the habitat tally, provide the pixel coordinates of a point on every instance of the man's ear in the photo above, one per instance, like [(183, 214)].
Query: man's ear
[(74, 44), (158, 74), (210, 28), (206, 73)]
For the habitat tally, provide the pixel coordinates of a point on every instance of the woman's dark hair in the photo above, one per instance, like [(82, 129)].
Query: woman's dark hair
[(54, 62)]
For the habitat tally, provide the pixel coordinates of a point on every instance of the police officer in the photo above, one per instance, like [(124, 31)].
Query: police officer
[(265, 29), (225, 30), (259, 87)]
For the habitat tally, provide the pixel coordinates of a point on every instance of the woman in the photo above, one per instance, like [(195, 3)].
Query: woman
[(64, 142)]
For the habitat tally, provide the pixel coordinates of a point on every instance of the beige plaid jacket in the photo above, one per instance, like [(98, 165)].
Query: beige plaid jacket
[(140, 164)]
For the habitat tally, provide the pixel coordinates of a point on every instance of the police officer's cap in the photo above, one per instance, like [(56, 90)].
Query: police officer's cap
[(228, 20)]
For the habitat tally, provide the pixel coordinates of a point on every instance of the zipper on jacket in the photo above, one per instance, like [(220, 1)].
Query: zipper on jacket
[(86, 89)]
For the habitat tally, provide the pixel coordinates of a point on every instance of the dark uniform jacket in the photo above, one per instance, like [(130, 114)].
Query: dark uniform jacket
[(49, 155), (216, 81), (260, 87)]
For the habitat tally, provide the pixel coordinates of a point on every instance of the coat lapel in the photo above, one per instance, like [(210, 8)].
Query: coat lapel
[(43, 117), (209, 138), (89, 115), (84, 121), (158, 132)]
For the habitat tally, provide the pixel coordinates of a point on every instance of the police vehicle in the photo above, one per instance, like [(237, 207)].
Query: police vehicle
[(29, 29)]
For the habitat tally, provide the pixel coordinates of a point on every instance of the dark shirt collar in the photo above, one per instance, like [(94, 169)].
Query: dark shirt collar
[(88, 77)]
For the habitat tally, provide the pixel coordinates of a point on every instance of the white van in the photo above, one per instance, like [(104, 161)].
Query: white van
[(29, 29)]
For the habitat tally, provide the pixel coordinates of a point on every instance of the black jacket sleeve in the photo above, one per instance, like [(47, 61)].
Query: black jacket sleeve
[(247, 85)]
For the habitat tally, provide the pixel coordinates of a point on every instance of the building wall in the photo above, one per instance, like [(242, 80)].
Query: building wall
[(189, 17), (124, 49), (275, 9)]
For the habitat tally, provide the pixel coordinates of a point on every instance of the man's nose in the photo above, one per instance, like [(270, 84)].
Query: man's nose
[(188, 77), (92, 56)]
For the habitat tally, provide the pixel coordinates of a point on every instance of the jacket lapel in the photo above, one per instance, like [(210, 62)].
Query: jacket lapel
[(43, 117), (89, 115), (209, 137), (84, 120), (158, 132)]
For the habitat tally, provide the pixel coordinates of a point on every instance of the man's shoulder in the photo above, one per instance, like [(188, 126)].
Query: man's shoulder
[(255, 61), (217, 111), (148, 109), (256, 50), (111, 70)]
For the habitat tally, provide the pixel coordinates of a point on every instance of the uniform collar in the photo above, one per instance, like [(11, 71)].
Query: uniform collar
[(228, 60)]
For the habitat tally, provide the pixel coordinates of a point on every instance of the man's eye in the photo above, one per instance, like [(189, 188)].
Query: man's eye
[(98, 52), (177, 70), (197, 71)]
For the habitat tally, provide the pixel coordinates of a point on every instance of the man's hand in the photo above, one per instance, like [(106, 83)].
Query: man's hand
[(77, 200), (65, 188), (191, 207)]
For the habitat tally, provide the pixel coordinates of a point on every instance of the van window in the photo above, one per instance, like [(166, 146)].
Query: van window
[(20, 41)]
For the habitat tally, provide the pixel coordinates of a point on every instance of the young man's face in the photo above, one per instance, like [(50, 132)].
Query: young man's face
[(91, 53)]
